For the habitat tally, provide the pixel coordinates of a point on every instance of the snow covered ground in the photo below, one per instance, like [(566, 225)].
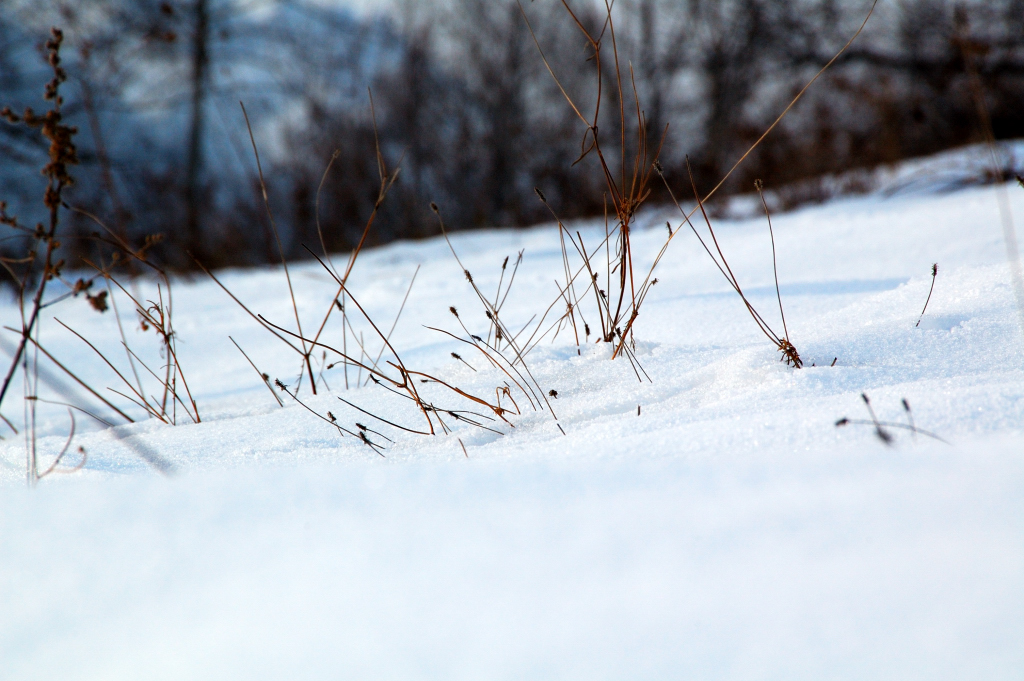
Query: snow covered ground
[(727, 531)]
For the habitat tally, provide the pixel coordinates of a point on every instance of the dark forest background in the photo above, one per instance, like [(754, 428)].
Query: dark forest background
[(464, 104)]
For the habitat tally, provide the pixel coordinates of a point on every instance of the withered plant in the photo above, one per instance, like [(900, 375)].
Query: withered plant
[(627, 188), (880, 427), (501, 349), (619, 300), (305, 347), (437, 401), (931, 289), (782, 342), (152, 315), (155, 315), (62, 154)]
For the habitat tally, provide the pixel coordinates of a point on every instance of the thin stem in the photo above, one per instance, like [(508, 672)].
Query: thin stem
[(280, 248)]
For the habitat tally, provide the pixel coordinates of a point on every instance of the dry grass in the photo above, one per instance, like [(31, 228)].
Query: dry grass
[(931, 289), (618, 293), (385, 369), (600, 293), (155, 315), (881, 427)]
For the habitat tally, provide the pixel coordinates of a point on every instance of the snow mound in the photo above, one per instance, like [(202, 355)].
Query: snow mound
[(711, 522)]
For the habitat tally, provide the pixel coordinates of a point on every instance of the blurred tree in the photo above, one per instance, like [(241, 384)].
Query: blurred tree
[(465, 104)]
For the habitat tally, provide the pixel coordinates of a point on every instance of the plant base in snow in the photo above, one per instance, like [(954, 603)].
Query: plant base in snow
[(789, 354)]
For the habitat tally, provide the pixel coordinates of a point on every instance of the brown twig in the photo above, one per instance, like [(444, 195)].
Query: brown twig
[(280, 248), (265, 378)]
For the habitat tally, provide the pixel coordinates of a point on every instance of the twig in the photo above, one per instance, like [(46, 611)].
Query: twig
[(78, 380), (341, 429), (935, 271), (882, 435), (63, 451), (775, 265), (88, 413), (384, 420), (397, 317), (910, 415), (319, 188), (888, 424), (280, 248), (265, 378)]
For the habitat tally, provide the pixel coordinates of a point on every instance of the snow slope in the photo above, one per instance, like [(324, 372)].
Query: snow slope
[(728, 531)]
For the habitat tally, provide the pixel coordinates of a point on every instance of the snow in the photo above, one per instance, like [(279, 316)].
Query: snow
[(728, 531)]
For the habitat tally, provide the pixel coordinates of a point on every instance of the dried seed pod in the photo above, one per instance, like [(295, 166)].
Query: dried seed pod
[(98, 301)]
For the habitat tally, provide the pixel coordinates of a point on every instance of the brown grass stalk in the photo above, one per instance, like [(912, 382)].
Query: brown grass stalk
[(280, 248)]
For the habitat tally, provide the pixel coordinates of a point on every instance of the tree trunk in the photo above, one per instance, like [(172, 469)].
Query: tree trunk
[(200, 63)]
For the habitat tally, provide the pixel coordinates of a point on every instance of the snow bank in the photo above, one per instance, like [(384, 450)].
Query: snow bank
[(728, 531)]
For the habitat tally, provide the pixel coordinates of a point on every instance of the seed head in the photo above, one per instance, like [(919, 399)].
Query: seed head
[(98, 301)]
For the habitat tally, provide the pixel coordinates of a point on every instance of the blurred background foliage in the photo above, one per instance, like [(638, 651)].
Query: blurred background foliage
[(464, 105)]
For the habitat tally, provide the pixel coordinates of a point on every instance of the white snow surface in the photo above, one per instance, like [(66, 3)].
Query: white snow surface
[(728, 531)]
